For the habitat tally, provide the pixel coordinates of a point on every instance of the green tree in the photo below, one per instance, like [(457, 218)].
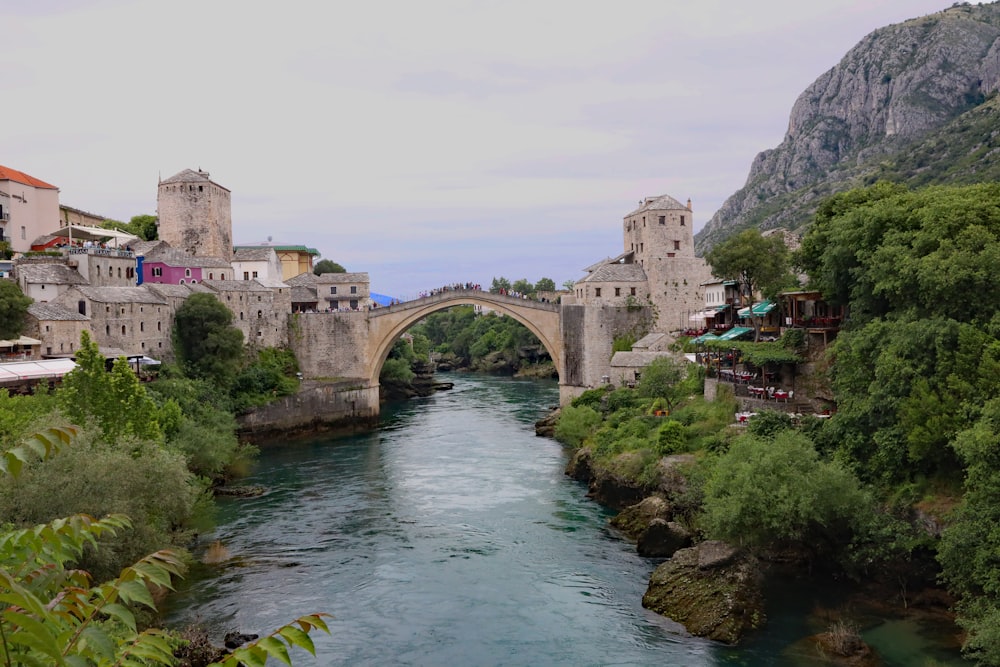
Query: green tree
[(756, 263), (144, 226), (205, 341), (524, 286), (662, 378), (115, 402), (545, 285), (568, 285), (499, 284), (328, 266), (806, 501), (13, 309), (576, 424), (970, 543)]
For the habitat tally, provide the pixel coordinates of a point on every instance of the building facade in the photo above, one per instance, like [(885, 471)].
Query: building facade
[(29, 208)]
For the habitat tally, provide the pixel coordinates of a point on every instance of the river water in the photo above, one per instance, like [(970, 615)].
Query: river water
[(451, 536)]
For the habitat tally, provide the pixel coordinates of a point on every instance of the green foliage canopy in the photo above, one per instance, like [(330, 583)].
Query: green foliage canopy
[(13, 309), (327, 266), (205, 340), (116, 402), (806, 501)]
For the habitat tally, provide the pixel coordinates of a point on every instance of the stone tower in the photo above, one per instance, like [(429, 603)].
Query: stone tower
[(660, 234), (195, 215)]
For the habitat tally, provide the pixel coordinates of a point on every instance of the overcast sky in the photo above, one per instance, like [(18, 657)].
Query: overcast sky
[(425, 141)]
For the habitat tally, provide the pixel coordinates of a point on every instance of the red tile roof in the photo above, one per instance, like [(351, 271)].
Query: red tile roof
[(8, 174)]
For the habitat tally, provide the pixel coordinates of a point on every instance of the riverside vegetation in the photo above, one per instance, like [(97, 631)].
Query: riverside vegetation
[(901, 483), (80, 590)]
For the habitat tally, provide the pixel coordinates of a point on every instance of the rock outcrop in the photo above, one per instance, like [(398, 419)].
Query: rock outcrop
[(712, 589), (898, 84)]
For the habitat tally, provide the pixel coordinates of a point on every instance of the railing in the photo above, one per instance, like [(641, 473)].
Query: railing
[(104, 252)]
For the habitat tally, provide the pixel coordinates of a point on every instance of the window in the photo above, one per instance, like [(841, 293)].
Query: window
[(670, 254), (123, 329), (187, 273), (333, 290), (682, 221), (260, 314), (47, 328), (354, 289), (24, 232), (246, 275), (182, 281), (254, 274), (119, 272), (633, 291), (334, 305), (107, 329), (354, 304), (597, 291), (142, 326), (157, 271), (618, 291), (677, 245), (241, 314), (663, 219)]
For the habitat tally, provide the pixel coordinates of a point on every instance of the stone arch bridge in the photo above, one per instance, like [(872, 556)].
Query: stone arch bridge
[(347, 349)]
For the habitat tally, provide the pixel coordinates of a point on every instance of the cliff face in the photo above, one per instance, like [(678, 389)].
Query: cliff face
[(900, 84)]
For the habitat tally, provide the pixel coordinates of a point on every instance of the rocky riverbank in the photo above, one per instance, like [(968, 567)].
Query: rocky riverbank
[(719, 591)]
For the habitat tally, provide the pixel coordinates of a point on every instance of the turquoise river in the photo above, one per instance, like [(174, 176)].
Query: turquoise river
[(450, 536)]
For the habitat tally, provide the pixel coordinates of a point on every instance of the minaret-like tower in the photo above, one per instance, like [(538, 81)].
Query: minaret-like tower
[(195, 215)]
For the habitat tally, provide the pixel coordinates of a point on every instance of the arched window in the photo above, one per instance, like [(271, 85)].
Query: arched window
[(260, 314), (123, 329)]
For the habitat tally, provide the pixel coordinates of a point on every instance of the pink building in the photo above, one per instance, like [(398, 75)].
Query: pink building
[(169, 266)]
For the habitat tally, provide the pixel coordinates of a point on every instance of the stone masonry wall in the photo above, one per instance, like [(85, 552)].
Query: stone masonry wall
[(318, 406), (330, 345)]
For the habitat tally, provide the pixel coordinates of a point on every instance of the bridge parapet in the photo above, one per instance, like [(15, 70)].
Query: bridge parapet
[(464, 295)]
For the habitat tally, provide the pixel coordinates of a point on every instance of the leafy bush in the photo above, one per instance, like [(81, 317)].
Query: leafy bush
[(576, 424), (671, 438), (592, 398), (805, 500), (768, 423), (396, 370), (155, 489)]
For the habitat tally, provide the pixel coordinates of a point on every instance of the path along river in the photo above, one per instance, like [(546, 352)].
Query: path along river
[(450, 536)]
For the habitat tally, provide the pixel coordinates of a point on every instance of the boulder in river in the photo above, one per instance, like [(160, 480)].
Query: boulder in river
[(713, 589)]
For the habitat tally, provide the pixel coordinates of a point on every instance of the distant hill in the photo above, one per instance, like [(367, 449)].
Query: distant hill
[(915, 102)]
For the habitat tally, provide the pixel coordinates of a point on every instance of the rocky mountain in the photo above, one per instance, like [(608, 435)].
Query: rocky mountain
[(913, 102)]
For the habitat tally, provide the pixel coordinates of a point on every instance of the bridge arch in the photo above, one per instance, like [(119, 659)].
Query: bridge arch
[(387, 324)]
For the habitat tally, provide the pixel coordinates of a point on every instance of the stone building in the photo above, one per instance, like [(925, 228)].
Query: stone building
[(45, 278), (104, 267), (344, 291), (58, 327), (135, 320), (195, 215), (660, 233), (260, 312)]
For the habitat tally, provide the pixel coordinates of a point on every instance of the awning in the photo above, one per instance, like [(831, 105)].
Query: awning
[(735, 332), (84, 233), (759, 309), (23, 340), (35, 370), (703, 315), (704, 337)]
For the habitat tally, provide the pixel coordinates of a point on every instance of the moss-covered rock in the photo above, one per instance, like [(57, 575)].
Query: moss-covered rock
[(634, 520), (712, 588)]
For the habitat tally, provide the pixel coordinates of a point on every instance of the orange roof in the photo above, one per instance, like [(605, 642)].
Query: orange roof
[(8, 174)]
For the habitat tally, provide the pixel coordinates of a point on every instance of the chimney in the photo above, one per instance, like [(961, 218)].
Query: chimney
[(689, 203)]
